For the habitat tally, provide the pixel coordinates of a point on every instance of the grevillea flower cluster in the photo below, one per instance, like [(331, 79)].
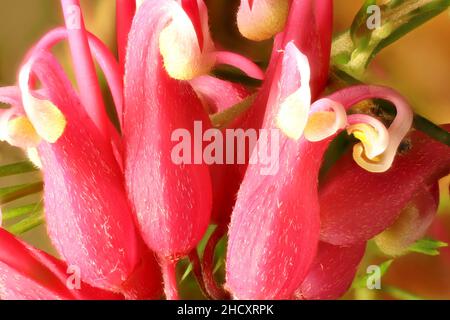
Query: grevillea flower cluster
[(122, 213)]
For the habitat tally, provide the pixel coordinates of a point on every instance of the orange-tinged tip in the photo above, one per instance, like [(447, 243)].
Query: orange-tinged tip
[(180, 48), (372, 133), (325, 123), (47, 120), (262, 19)]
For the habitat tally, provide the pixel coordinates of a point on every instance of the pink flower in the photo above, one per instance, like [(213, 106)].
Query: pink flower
[(274, 229), (88, 216)]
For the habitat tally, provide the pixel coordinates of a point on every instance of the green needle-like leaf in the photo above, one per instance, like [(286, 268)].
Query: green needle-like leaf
[(400, 294), (187, 272), (12, 193), (28, 223), (428, 246), (224, 118), (17, 168), (12, 213)]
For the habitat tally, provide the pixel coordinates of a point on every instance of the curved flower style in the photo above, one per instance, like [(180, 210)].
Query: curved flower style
[(349, 218), (283, 225)]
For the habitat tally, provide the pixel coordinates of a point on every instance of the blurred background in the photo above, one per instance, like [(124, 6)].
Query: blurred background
[(418, 66)]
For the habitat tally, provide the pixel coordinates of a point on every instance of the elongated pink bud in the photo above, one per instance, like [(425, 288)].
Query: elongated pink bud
[(172, 200), (87, 212), (274, 228), (356, 205), (29, 274), (332, 272)]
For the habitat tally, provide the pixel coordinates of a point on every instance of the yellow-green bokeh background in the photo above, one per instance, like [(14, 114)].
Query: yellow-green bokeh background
[(418, 66)]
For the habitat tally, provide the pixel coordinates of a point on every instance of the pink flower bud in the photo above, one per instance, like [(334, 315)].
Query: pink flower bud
[(87, 212), (172, 201), (332, 272)]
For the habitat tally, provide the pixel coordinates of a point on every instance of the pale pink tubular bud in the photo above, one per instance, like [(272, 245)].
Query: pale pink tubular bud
[(87, 213), (171, 197), (262, 19), (332, 272), (275, 224), (29, 274), (356, 205), (411, 225)]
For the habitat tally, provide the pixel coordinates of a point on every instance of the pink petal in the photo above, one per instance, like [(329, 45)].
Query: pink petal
[(309, 26), (192, 9)]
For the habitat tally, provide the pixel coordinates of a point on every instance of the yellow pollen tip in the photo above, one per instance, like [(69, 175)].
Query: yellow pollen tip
[(264, 20), (21, 133)]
